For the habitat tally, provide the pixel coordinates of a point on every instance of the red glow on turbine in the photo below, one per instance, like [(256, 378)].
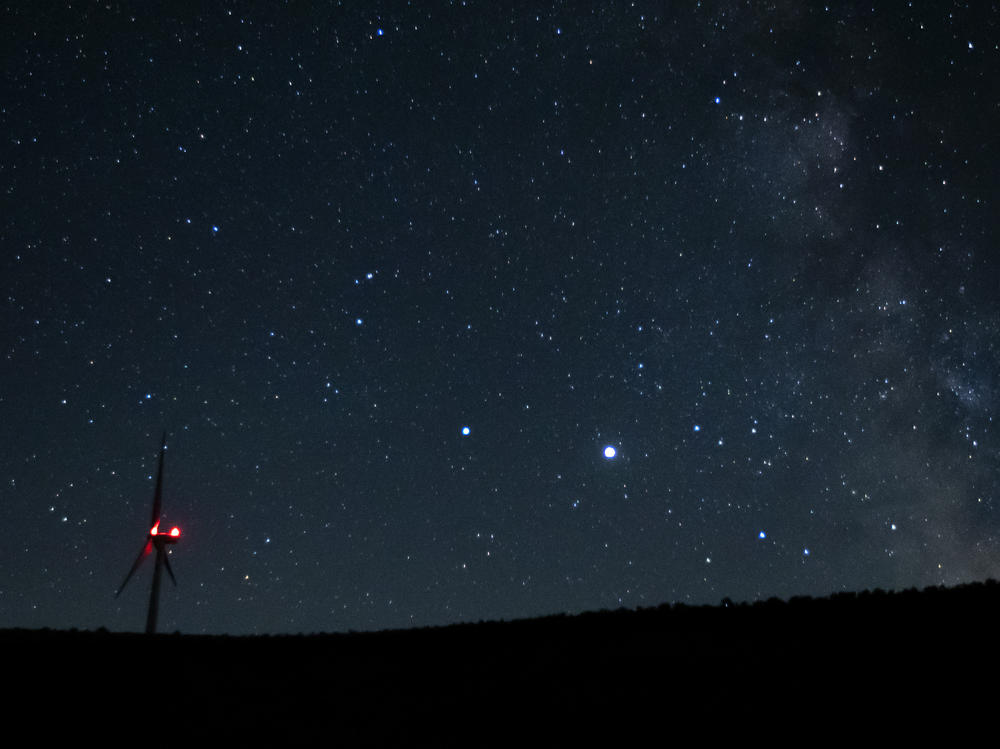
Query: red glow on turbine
[(175, 531), (155, 529)]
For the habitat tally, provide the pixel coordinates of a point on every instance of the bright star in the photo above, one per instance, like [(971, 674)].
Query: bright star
[(610, 452), (465, 431)]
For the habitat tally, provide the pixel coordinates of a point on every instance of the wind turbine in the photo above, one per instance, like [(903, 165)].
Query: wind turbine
[(158, 540)]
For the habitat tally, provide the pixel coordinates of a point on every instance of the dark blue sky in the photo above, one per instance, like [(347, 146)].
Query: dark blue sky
[(752, 247)]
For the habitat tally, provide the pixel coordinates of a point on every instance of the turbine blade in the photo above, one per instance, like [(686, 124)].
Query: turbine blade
[(166, 563), (158, 495), (138, 561)]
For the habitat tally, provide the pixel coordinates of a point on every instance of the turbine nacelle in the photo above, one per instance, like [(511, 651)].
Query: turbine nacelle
[(171, 537)]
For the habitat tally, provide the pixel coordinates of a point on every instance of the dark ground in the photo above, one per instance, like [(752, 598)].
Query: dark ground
[(872, 662)]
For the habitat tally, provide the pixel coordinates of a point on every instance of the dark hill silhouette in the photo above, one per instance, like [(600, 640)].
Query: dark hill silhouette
[(805, 664)]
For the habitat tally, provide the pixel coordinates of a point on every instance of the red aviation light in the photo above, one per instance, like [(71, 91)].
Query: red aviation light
[(155, 529), (175, 532)]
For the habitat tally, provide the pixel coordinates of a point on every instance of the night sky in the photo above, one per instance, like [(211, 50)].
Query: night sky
[(394, 280)]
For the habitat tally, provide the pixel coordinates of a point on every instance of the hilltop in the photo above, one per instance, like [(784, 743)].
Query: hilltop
[(873, 653)]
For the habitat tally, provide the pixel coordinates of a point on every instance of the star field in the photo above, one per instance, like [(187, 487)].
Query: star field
[(456, 312)]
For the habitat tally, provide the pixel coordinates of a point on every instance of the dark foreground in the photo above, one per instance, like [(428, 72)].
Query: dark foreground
[(884, 662)]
